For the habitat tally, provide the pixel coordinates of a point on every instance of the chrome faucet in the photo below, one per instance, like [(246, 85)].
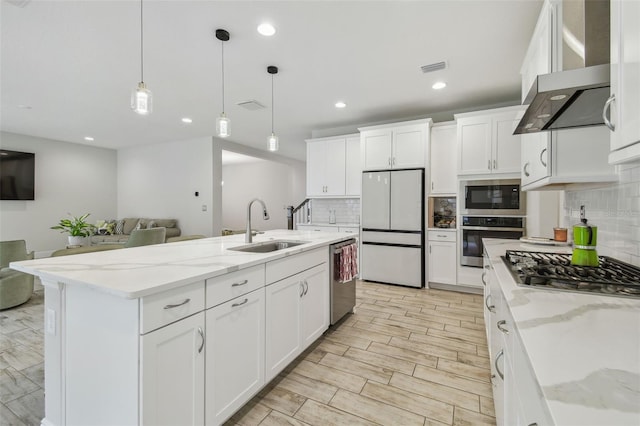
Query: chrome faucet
[(265, 216)]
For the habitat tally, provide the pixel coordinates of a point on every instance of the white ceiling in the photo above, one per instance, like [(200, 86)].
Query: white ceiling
[(75, 63)]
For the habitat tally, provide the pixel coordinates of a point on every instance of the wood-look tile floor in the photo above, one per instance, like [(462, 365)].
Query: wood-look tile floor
[(406, 357)]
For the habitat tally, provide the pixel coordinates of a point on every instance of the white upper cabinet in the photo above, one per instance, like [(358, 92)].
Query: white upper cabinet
[(486, 144), (394, 146), (333, 166), (625, 81), (443, 158)]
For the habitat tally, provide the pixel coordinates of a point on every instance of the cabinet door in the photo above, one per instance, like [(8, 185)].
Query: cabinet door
[(535, 157), (353, 166), (474, 146), (376, 149), (506, 146), (282, 324), (443, 160), (315, 304), (335, 167), (625, 73), (235, 354), (408, 147), (316, 162), (442, 262), (172, 370)]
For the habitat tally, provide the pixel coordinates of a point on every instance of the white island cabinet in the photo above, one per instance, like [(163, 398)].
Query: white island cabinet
[(174, 333)]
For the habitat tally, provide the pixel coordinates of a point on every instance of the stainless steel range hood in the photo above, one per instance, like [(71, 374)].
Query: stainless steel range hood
[(574, 97)]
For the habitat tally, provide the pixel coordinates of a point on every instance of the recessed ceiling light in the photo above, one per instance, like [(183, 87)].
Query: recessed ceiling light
[(88, 138), (340, 104), (558, 97), (187, 120), (439, 85), (266, 29), (24, 106)]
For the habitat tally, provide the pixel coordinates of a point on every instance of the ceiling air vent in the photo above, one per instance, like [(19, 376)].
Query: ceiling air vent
[(433, 67), (19, 3), (251, 105)]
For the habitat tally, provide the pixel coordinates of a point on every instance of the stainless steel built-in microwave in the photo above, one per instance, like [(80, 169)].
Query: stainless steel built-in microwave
[(493, 197)]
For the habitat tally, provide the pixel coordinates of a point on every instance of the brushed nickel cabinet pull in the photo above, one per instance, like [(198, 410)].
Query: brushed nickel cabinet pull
[(184, 302), (607, 106), (484, 274), (541, 154), (201, 333), (525, 171), (491, 308), (238, 284), (235, 305), (489, 164), (500, 324), (500, 354)]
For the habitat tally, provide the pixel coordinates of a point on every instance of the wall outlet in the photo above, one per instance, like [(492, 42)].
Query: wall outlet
[(204, 207)]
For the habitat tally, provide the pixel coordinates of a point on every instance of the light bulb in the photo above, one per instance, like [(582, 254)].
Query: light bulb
[(223, 126), (273, 142), (142, 99)]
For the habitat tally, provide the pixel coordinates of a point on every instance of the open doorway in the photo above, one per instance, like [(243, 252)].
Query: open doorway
[(245, 177)]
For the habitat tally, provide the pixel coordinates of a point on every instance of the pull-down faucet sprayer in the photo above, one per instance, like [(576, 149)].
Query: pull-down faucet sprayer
[(265, 216)]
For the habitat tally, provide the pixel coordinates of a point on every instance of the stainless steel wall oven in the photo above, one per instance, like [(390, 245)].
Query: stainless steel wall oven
[(475, 228)]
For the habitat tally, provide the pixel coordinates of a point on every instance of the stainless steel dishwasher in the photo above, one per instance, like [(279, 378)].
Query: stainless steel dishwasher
[(343, 294)]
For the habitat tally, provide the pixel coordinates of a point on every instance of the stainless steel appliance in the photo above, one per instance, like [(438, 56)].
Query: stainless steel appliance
[(475, 228), (342, 294), (393, 222), (554, 271), (493, 197)]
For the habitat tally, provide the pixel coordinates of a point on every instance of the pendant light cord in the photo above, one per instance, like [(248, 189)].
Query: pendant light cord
[(272, 104), (141, 46), (222, 76)]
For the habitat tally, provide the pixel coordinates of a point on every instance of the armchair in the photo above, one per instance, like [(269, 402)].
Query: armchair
[(15, 287)]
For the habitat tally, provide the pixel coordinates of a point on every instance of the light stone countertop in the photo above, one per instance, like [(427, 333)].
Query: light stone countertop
[(584, 348), (140, 271)]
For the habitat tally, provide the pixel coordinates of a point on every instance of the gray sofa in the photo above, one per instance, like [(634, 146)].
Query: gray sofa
[(121, 233)]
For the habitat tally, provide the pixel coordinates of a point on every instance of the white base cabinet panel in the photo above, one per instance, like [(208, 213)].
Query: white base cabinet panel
[(172, 381), (442, 262), (235, 354)]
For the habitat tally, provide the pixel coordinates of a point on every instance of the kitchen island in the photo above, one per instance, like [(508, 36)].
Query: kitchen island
[(178, 333), (565, 358)]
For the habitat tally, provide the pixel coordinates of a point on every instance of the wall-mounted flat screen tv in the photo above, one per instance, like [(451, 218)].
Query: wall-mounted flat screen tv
[(17, 175)]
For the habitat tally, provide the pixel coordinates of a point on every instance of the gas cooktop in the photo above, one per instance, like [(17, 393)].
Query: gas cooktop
[(554, 271)]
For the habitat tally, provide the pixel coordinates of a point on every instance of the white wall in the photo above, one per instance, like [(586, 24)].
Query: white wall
[(277, 184), (160, 181), (70, 178)]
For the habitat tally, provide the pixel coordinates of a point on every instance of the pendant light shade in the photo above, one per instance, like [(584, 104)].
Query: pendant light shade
[(141, 97), (223, 124), (272, 142)]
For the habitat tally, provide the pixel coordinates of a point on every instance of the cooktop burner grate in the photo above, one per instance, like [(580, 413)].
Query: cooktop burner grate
[(555, 271)]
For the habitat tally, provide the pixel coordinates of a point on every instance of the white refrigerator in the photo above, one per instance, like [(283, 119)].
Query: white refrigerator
[(393, 233)]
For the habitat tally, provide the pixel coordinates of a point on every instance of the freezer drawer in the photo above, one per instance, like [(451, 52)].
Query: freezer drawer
[(392, 264)]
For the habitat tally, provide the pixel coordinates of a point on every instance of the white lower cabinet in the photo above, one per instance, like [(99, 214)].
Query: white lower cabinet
[(442, 257), (172, 377), (235, 354), (297, 313)]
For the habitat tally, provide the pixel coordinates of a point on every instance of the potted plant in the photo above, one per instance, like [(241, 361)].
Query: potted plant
[(77, 227)]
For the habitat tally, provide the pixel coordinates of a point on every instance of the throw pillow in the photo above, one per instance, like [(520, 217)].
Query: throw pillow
[(151, 224), (140, 225), (120, 227), (110, 227)]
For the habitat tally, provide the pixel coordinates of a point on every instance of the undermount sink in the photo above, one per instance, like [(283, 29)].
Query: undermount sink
[(268, 246)]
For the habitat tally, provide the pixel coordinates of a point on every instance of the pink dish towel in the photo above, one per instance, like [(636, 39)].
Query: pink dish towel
[(347, 263)]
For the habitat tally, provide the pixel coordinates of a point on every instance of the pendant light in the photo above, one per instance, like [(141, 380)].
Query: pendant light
[(272, 142), (141, 98), (223, 124)]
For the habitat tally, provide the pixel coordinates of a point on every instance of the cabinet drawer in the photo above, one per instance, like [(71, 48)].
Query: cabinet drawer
[(442, 236), (283, 268), (226, 287), (169, 306)]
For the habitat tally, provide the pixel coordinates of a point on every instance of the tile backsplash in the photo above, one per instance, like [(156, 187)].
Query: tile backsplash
[(615, 210), (347, 210)]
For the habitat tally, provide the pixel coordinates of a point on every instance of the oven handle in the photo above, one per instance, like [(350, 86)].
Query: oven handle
[(491, 228)]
